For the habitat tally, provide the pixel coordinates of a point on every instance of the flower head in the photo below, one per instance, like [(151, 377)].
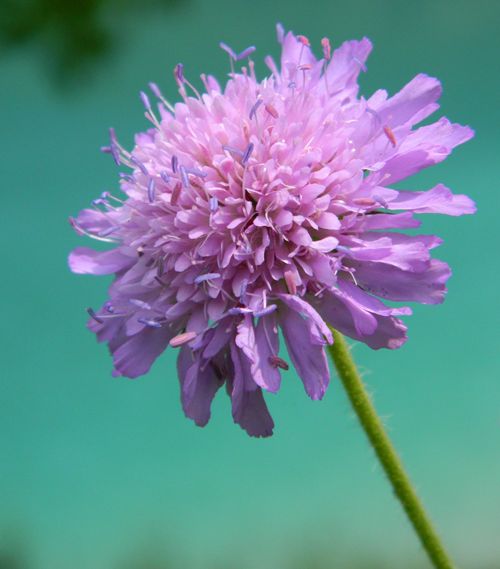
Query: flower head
[(268, 205)]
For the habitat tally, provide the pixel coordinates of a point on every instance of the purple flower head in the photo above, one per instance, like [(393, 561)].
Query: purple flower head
[(266, 206)]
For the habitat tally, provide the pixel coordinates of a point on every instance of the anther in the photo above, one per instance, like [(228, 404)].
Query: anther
[(151, 190), (165, 177), (174, 162), (265, 311), (276, 361), (150, 323), (182, 339), (140, 165), (280, 32), (140, 303), (232, 150), (184, 177), (247, 154), (254, 108), (179, 73), (206, 277), (175, 193), (327, 50), (272, 111), (93, 315), (145, 101), (304, 41), (228, 50), (108, 231), (196, 172), (246, 52), (390, 135), (291, 285), (213, 204)]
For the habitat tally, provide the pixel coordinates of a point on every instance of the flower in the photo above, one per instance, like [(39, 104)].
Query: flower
[(268, 205)]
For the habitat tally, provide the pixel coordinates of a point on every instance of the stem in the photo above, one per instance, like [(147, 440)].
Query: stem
[(386, 452)]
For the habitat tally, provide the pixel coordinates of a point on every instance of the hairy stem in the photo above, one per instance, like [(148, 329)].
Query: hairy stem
[(386, 452)]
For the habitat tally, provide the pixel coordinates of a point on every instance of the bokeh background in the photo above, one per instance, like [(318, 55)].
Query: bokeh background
[(103, 473)]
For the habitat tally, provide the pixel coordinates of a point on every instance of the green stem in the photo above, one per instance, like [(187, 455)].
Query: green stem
[(386, 452)]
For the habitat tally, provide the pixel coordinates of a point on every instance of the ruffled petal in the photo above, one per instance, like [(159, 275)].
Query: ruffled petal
[(427, 286), (306, 353), (136, 354), (83, 260), (362, 317), (439, 199), (415, 102), (248, 405), (200, 380), (424, 147), (258, 352), (346, 63)]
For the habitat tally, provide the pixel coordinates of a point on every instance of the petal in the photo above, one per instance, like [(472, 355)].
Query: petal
[(258, 353), (267, 343), (136, 355), (317, 326), (248, 405), (363, 317), (424, 147), (200, 380), (307, 355), (412, 104), (346, 63), (387, 281), (439, 199), (83, 260)]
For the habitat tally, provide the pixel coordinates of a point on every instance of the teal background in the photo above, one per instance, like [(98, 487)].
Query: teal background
[(99, 473)]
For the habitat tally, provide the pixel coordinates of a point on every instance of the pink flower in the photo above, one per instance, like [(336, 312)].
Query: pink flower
[(267, 205)]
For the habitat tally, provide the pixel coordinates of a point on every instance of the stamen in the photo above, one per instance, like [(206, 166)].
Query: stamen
[(276, 361), (150, 323), (213, 204), (265, 311), (174, 163), (184, 177), (304, 41), (175, 194), (247, 154), (243, 290), (238, 310), (182, 339), (140, 165), (253, 110), (246, 52), (232, 150), (82, 231), (228, 50), (327, 50), (363, 201), (114, 147), (196, 172), (291, 285), (272, 111), (304, 67), (108, 231), (145, 101), (280, 32), (361, 64), (151, 190), (179, 74), (140, 303), (165, 177), (390, 135), (206, 277), (93, 315), (157, 93)]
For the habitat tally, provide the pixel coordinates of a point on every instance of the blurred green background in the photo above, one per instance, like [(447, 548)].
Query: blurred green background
[(103, 473)]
